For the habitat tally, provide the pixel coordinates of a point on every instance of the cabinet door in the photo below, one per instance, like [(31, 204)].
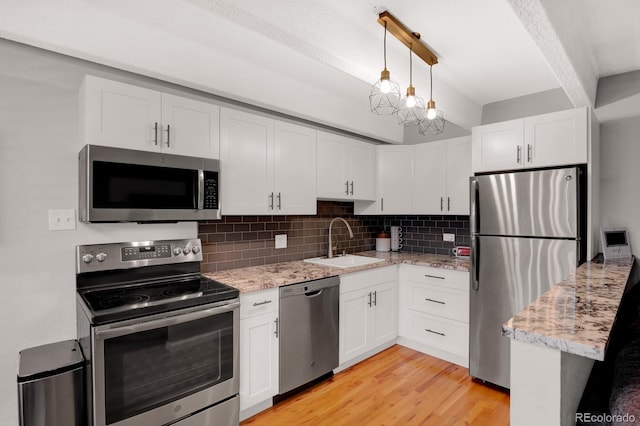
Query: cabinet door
[(246, 145), (395, 179), (458, 173), (430, 184), (119, 115), (384, 313), (556, 139), (355, 316), (332, 182), (498, 146), (190, 127), (258, 359), (362, 170), (294, 169)]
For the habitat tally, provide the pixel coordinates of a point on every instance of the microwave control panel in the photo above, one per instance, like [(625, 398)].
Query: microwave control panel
[(211, 190)]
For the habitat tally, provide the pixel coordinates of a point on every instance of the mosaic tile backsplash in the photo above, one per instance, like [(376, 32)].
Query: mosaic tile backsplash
[(240, 241)]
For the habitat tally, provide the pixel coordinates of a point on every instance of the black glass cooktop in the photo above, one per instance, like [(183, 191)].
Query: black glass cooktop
[(131, 301)]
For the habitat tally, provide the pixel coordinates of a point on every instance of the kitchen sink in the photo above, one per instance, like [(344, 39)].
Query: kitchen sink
[(345, 261)]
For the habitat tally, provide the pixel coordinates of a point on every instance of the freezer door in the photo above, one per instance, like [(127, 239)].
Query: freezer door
[(541, 203), (510, 273)]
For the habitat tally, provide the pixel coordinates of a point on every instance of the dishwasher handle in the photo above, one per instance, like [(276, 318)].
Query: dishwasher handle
[(314, 293)]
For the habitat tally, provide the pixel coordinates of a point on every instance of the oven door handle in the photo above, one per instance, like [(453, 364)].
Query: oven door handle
[(109, 333)]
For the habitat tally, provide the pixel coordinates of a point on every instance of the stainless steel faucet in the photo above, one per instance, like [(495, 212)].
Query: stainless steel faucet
[(330, 254)]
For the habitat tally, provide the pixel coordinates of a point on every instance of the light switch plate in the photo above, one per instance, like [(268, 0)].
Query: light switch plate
[(281, 241), (62, 219), (449, 237)]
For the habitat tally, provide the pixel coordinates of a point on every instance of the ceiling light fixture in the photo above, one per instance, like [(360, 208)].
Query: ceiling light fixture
[(434, 122), (385, 93), (407, 109), (411, 109)]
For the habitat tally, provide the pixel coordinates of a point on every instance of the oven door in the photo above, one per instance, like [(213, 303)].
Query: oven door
[(158, 369)]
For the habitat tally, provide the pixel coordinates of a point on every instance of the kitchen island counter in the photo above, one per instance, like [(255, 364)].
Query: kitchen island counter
[(576, 315), (255, 278)]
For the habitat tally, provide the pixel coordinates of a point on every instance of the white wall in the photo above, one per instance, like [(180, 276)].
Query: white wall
[(526, 106), (620, 176), (38, 171)]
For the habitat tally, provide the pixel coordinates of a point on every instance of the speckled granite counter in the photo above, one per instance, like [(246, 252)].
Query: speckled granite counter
[(256, 278), (577, 315)]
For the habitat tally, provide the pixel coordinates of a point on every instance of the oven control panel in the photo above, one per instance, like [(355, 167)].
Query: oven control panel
[(106, 257)]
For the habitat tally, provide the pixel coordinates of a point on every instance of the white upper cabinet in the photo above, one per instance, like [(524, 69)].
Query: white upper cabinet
[(442, 173), (346, 168), (126, 116), (395, 179), (498, 146), (554, 139), (268, 167), (294, 169)]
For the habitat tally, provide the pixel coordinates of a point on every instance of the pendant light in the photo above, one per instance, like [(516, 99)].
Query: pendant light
[(411, 109), (433, 124), (385, 93)]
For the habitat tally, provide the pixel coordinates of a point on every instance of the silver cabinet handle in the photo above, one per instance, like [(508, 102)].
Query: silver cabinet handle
[(155, 133), (529, 149), (441, 203), (271, 201), (433, 276), (434, 332), (346, 184), (261, 303), (168, 135), (448, 204), (434, 301), (279, 201), (277, 332), (369, 303), (518, 154), (375, 298), (351, 187), (381, 204)]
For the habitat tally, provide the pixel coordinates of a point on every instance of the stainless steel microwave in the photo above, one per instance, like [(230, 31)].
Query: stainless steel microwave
[(125, 185)]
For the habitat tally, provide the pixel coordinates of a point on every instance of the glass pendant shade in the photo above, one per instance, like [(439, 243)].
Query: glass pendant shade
[(411, 109), (385, 95)]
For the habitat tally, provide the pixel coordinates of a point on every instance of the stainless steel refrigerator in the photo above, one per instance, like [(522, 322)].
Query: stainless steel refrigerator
[(526, 235)]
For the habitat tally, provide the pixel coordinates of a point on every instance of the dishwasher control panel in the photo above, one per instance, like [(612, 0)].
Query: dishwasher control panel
[(309, 286)]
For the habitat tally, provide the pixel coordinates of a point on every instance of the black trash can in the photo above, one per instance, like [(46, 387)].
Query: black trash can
[(51, 385)]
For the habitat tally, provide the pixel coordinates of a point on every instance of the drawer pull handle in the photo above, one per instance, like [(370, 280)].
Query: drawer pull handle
[(434, 301), (261, 303), (277, 332), (434, 332), (433, 276)]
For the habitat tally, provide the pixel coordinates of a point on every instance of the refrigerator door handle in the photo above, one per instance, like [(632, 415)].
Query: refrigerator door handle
[(474, 202), (475, 263)]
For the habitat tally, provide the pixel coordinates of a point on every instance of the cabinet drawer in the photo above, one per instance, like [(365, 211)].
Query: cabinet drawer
[(259, 302), (435, 276), (441, 301), (448, 335)]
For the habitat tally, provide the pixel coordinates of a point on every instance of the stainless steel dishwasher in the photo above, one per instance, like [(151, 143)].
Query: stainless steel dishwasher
[(309, 314)]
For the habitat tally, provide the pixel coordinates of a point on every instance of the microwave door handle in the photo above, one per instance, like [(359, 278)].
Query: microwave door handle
[(200, 205), (109, 333)]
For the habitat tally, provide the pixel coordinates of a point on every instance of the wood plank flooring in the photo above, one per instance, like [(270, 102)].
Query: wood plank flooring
[(398, 386)]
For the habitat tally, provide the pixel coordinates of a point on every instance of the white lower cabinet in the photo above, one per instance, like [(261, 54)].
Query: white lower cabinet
[(368, 312), (434, 312), (258, 350)]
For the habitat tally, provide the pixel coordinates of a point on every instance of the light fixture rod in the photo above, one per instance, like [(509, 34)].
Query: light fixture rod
[(407, 37)]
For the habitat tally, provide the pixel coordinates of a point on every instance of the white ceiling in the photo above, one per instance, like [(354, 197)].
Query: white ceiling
[(316, 59)]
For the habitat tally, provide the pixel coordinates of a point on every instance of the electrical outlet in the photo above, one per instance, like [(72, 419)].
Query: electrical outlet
[(281, 241), (449, 237), (62, 219)]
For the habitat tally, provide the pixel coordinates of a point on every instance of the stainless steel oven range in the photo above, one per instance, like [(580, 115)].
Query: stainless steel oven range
[(160, 339)]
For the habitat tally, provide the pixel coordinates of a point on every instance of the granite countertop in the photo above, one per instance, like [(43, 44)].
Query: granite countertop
[(263, 277), (576, 315)]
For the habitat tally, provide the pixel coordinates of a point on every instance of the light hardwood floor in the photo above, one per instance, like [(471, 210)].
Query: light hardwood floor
[(398, 386)]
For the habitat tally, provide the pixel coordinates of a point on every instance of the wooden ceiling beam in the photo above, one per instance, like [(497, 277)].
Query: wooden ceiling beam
[(407, 37)]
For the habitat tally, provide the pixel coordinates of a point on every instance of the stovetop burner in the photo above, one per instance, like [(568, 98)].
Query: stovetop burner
[(145, 298)]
